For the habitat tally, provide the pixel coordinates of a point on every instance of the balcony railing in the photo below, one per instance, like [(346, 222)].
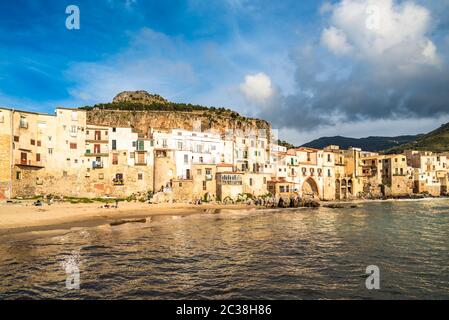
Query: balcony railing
[(118, 182)]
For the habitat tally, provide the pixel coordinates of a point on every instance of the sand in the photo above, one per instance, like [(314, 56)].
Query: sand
[(24, 217)]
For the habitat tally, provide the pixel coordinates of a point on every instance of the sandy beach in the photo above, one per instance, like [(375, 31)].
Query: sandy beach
[(16, 218), (25, 218)]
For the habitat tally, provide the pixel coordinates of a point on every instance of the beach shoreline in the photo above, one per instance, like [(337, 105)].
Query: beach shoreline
[(25, 218)]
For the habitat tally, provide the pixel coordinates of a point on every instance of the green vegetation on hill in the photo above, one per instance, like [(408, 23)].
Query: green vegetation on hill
[(369, 143), (436, 141), (155, 106), (285, 144)]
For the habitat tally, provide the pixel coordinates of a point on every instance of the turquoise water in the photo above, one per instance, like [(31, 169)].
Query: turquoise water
[(264, 254)]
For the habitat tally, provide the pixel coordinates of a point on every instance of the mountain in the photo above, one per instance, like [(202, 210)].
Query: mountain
[(436, 140), (142, 110), (369, 143)]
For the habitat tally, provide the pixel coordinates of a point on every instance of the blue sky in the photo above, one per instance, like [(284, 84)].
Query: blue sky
[(298, 60)]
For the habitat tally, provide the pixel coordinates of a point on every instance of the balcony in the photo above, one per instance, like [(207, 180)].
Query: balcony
[(140, 163), (99, 154)]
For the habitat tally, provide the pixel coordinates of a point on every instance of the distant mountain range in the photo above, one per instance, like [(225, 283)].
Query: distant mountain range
[(436, 140), (369, 143)]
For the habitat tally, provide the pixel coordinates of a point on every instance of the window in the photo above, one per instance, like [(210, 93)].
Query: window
[(208, 171), (329, 172), (264, 180), (49, 138), (38, 157), (101, 176), (39, 143), (164, 143), (50, 150), (250, 181), (73, 146), (74, 116), (115, 159), (33, 142), (16, 138), (23, 122), (201, 159), (204, 185), (328, 158), (140, 176), (281, 189), (73, 130), (114, 144), (64, 174), (180, 145), (18, 175), (198, 172), (186, 159), (140, 145), (114, 129), (76, 161)]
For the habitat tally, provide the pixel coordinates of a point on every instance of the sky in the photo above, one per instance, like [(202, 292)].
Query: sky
[(312, 68)]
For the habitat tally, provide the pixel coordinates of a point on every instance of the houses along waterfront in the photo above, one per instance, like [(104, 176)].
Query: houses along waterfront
[(66, 154)]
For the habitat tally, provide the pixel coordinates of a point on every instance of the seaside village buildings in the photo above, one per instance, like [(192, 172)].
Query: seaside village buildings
[(63, 155)]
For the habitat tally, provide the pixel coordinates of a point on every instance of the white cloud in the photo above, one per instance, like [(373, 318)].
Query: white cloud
[(381, 29), (257, 88), (335, 40)]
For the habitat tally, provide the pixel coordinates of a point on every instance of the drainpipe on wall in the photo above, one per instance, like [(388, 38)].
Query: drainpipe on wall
[(12, 153)]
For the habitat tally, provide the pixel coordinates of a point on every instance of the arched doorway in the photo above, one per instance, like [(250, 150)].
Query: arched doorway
[(344, 189), (310, 188), (350, 189), (337, 189)]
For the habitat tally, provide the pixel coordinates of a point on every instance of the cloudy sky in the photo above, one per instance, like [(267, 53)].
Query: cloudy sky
[(346, 67)]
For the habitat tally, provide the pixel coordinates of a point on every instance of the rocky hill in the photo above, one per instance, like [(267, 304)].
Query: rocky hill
[(141, 111), (139, 96)]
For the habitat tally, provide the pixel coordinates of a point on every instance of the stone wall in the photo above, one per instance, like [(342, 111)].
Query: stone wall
[(5, 168)]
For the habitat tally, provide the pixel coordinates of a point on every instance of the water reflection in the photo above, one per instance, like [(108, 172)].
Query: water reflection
[(283, 254)]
